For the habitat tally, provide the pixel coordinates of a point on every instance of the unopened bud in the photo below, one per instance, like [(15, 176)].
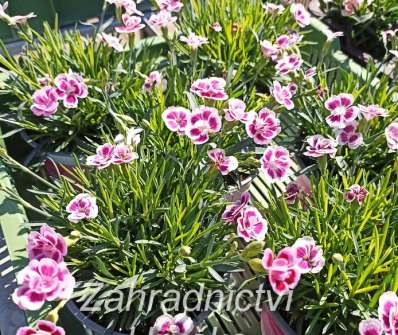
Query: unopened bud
[(185, 251), (256, 265), (338, 258)]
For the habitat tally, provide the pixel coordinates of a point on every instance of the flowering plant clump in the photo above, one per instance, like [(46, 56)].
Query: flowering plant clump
[(133, 207), (334, 273), (354, 124), (365, 22), (215, 41), (59, 85), (173, 129)]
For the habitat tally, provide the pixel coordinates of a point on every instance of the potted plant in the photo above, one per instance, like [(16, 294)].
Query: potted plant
[(54, 64)]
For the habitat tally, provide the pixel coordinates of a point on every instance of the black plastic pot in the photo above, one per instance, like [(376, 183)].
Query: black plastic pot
[(75, 322), (78, 323)]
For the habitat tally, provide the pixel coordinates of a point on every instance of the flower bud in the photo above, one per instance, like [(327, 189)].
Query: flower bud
[(256, 265), (185, 251), (252, 250), (338, 258)]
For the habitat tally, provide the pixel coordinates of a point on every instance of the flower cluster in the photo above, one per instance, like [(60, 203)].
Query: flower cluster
[(197, 125), (45, 279), (69, 88), (120, 153), (285, 269), (164, 18), (343, 119), (250, 224), (131, 23)]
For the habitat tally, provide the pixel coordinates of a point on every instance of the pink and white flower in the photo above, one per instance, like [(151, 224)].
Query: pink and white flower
[(236, 111), (350, 6), (128, 5), (20, 19), (161, 19), (298, 190), (288, 64), (388, 312), (202, 122), (170, 5), (275, 164), (319, 146), (83, 206), (234, 211), (356, 192), (131, 24), (263, 127), (270, 50), (41, 281), (349, 136), (122, 154), (45, 102), (372, 111), (224, 164), (210, 88), (181, 324), (370, 327), (282, 95), (283, 272), (251, 225), (112, 41), (46, 244), (272, 8), (301, 15), (283, 41), (309, 256), (154, 79), (292, 87), (332, 35), (70, 87), (103, 156), (392, 136), (216, 26), (342, 111), (176, 119), (45, 80), (3, 8), (294, 37), (310, 72), (42, 327), (193, 40)]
